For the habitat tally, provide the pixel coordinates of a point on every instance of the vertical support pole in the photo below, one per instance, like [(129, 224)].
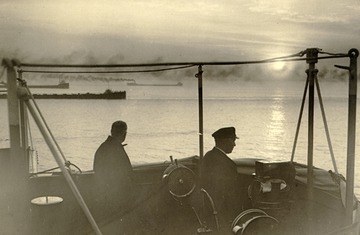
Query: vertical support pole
[(201, 119), (23, 128), (17, 156), (350, 173), (13, 107), (311, 55), (310, 151), (16, 189), (300, 117)]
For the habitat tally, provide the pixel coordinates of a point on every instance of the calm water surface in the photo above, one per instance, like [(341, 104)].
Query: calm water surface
[(163, 122)]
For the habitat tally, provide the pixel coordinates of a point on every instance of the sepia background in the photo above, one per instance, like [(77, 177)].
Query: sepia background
[(261, 101)]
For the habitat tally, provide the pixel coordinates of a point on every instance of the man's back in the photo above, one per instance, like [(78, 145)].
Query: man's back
[(113, 174), (111, 161)]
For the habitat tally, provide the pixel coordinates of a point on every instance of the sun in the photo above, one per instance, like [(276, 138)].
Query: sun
[(279, 69), (278, 66)]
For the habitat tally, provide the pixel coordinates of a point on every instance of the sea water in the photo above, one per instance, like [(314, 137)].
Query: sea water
[(164, 121)]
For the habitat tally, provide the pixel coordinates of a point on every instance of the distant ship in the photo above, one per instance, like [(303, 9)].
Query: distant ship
[(153, 84), (60, 85), (108, 94)]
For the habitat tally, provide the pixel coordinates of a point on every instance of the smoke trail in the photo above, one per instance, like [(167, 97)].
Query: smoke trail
[(333, 74)]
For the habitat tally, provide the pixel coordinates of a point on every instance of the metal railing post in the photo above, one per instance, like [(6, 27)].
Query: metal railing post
[(311, 55), (350, 172), (351, 137), (201, 119)]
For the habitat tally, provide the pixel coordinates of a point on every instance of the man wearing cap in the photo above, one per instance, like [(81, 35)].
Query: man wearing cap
[(219, 177)]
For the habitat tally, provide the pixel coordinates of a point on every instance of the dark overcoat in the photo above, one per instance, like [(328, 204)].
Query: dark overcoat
[(219, 177), (113, 172)]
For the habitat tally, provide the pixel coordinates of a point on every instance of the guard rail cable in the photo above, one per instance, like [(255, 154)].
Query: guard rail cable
[(292, 57)]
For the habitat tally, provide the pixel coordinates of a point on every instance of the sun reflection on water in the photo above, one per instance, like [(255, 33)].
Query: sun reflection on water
[(275, 130)]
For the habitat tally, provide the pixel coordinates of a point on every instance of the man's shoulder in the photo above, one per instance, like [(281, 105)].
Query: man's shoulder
[(105, 147), (211, 151), (213, 155), (217, 157)]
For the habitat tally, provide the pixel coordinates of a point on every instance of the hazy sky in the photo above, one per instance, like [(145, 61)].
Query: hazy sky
[(182, 30)]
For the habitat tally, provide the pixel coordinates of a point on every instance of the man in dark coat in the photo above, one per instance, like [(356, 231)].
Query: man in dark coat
[(113, 170), (219, 177)]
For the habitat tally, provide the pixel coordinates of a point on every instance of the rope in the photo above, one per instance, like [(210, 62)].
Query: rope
[(182, 64), (45, 171), (325, 125), (101, 72), (281, 58), (332, 54), (67, 164)]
